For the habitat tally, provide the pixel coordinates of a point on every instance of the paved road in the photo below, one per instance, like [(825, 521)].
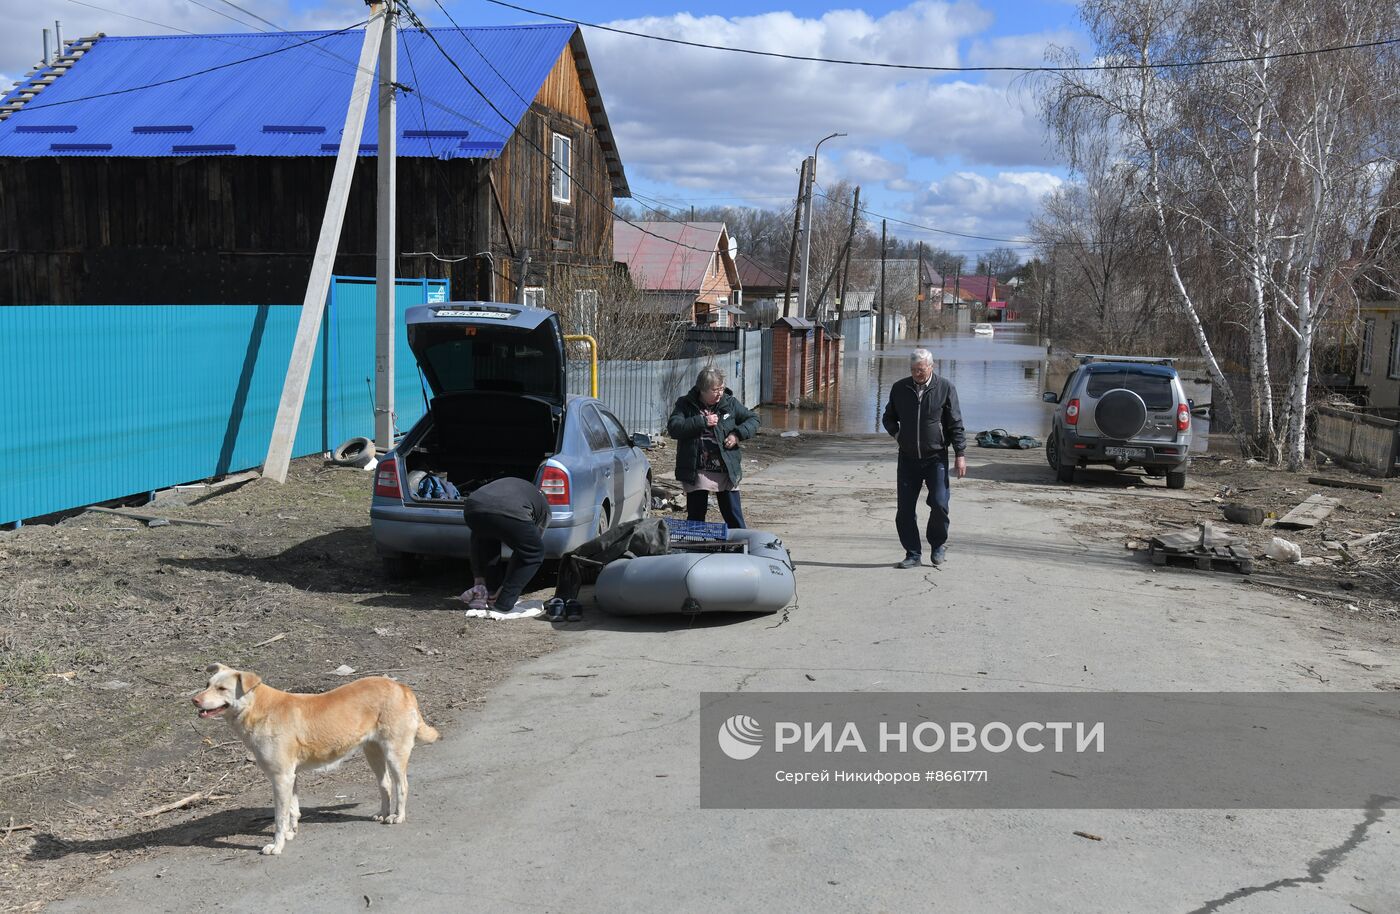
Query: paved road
[(575, 788)]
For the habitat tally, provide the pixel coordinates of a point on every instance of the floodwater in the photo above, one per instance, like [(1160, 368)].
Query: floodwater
[(999, 378)]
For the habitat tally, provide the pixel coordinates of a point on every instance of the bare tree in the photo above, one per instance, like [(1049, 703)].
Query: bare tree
[(1257, 173), (999, 262)]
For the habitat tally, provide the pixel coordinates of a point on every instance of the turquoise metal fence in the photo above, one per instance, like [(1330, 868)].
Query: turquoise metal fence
[(104, 401)]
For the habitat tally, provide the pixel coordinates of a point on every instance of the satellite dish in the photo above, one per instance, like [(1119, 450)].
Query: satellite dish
[(733, 249)]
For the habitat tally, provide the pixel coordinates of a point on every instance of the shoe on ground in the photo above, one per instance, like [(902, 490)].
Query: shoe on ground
[(909, 561), (940, 555), (573, 611), (554, 610)]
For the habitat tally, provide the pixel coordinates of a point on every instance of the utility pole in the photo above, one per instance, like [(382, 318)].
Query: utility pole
[(792, 249), (881, 327), (802, 282), (846, 267), (919, 296), (284, 429), (811, 166), (386, 235), (836, 269)]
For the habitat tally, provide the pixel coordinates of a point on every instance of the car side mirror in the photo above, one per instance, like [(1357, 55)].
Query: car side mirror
[(641, 441), (1050, 397)]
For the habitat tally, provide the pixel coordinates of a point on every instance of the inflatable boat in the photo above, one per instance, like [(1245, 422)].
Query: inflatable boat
[(750, 572)]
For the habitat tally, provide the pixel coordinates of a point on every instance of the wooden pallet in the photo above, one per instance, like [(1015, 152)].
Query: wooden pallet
[(1205, 549), (1224, 558)]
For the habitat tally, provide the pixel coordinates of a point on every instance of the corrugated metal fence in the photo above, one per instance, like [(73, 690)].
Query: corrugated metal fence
[(641, 394), (105, 401)]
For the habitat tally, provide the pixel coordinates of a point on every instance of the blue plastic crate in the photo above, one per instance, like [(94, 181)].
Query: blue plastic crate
[(696, 531)]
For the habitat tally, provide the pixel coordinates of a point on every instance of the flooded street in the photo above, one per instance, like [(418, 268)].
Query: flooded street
[(999, 380)]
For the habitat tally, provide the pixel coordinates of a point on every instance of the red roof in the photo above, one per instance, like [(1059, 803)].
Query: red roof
[(676, 261), (975, 284)]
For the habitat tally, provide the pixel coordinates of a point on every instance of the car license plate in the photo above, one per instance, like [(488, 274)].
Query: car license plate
[(1125, 451)]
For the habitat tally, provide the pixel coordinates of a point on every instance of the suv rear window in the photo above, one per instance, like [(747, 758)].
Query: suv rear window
[(1155, 390)]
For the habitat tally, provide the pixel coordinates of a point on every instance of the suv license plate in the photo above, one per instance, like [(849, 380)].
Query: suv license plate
[(1125, 451)]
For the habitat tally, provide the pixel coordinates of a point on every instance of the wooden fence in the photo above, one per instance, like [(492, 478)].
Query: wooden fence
[(1367, 443)]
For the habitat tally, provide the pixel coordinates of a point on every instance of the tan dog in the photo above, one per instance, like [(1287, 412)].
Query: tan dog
[(290, 733)]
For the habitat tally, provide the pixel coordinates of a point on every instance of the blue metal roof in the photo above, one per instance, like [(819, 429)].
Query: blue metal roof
[(280, 94)]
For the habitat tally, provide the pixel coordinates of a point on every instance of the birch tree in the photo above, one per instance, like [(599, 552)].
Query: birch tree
[(1258, 168)]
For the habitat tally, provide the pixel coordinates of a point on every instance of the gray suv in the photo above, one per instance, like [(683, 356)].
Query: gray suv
[(1124, 411)]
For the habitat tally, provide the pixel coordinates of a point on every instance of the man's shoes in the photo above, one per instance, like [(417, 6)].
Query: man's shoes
[(573, 611), (940, 555), (555, 609), (910, 561)]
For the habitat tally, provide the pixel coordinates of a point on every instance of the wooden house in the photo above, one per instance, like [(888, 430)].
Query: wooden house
[(195, 168)]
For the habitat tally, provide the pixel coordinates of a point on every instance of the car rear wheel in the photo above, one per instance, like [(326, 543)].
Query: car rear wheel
[(604, 520), (1063, 472), (1176, 479)]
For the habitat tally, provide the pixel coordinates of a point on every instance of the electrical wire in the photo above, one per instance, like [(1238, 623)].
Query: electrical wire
[(175, 79), (934, 69), (530, 143)]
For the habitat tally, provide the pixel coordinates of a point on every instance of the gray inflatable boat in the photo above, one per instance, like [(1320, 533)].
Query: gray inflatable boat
[(757, 579)]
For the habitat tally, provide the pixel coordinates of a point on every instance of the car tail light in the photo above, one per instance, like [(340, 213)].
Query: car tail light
[(386, 479), (554, 483), (1072, 412), (1183, 417)]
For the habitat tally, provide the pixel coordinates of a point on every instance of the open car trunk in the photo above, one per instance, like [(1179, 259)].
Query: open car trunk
[(473, 438)]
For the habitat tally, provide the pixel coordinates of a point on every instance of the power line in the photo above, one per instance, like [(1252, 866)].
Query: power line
[(933, 69), (530, 143), (929, 228)]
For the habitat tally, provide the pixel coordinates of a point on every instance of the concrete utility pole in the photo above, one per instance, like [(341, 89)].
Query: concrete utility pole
[(919, 296), (881, 328), (284, 430), (846, 267), (792, 248), (386, 236), (802, 280)]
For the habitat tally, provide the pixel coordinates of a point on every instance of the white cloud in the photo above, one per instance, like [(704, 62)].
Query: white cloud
[(975, 203), (698, 119)]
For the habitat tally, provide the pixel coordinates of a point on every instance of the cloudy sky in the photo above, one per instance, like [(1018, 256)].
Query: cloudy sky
[(699, 127)]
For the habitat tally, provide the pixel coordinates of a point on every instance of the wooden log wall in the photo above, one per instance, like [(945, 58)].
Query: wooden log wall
[(243, 229)]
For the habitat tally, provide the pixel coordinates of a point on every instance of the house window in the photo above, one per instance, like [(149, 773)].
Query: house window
[(534, 297), (562, 168), (585, 316), (1393, 369), (1368, 341)]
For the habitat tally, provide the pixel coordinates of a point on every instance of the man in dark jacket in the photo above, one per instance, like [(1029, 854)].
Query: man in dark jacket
[(923, 416), (510, 511)]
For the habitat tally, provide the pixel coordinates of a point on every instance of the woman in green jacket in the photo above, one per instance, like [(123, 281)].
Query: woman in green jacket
[(708, 423)]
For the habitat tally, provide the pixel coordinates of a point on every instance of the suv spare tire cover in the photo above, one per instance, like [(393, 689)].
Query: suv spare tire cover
[(1121, 413)]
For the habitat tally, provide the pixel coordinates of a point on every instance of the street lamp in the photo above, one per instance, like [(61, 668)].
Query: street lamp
[(807, 223)]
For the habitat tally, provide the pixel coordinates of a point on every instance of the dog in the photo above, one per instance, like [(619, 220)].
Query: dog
[(290, 733)]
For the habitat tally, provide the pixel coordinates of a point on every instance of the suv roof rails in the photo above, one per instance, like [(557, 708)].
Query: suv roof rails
[(1086, 358)]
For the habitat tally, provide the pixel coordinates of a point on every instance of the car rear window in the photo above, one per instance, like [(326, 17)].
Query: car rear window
[(523, 364), (1155, 390)]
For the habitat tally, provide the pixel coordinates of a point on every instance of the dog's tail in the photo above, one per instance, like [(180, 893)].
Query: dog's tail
[(426, 732)]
